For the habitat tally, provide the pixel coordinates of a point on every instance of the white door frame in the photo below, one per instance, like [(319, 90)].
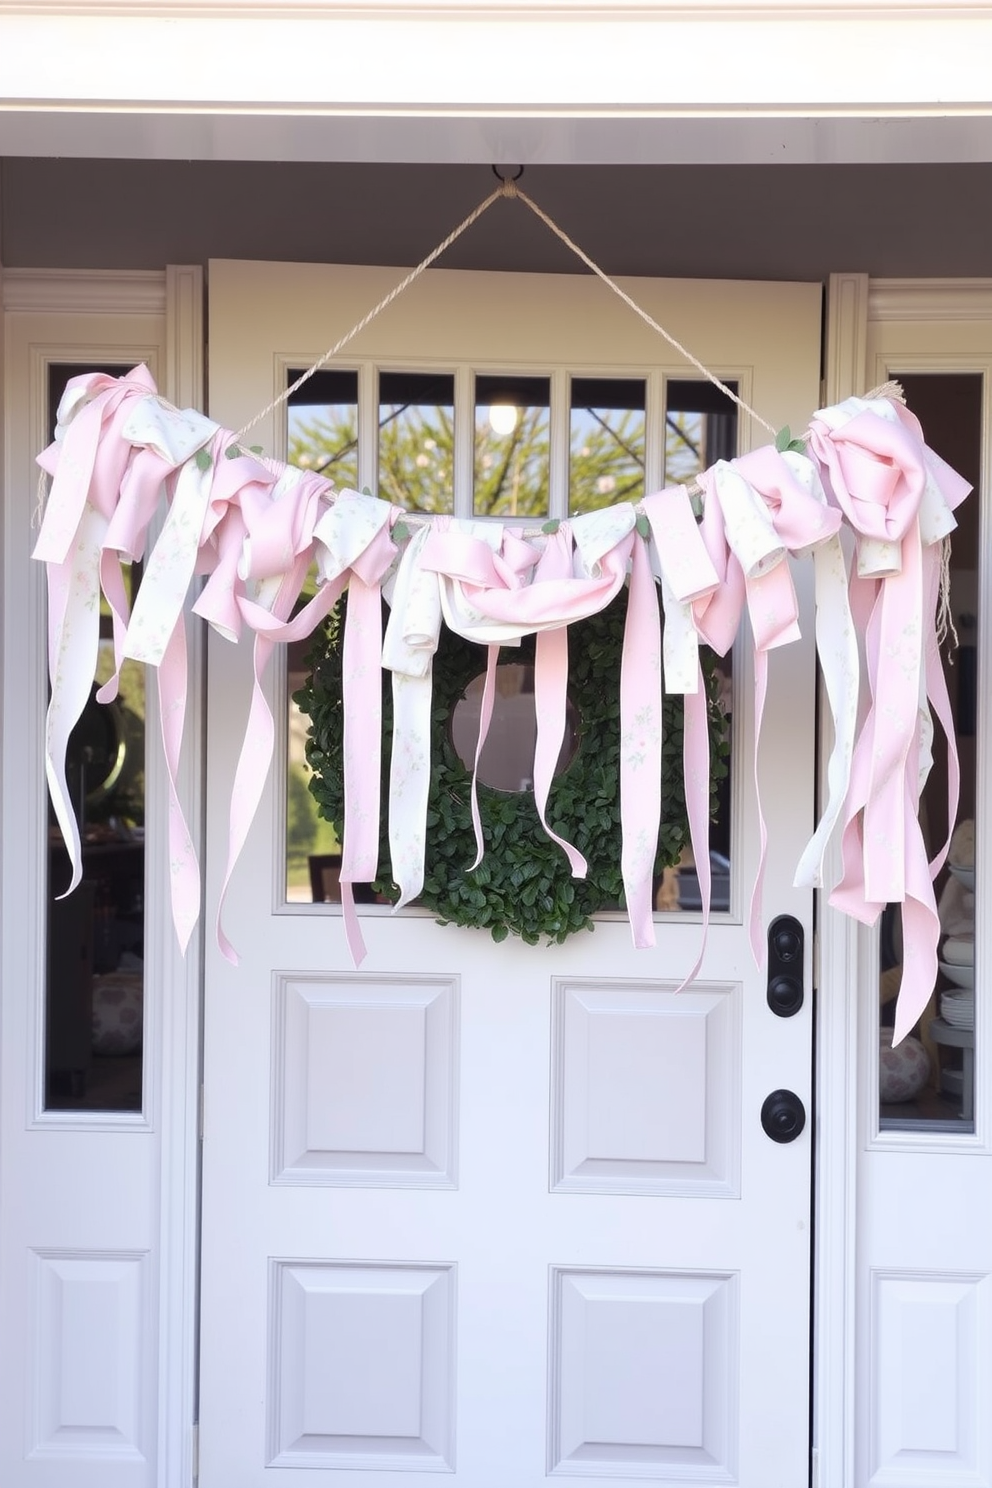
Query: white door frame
[(848, 955), (55, 317), (845, 955)]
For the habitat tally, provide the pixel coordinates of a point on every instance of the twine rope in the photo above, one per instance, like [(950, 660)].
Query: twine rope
[(510, 190), (393, 294)]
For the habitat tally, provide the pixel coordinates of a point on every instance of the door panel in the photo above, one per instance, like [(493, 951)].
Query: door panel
[(924, 1260), (504, 1211)]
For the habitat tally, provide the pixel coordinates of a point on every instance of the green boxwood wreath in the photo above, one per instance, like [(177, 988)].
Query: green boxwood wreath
[(523, 884)]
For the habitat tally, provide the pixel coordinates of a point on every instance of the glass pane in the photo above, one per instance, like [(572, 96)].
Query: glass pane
[(512, 446), (417, 440), (700, 428), (322, 436), (606, 442), (323, 426), (928, 1082), (95, 952)]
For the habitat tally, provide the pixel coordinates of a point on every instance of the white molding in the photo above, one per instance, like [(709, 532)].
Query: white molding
[(846, 337), (54, 317), (930, 299), (888, 10), (836, 976), (84, 292), (180, 1010)]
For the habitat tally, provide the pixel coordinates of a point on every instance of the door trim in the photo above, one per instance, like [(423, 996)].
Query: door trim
[(54, 316)]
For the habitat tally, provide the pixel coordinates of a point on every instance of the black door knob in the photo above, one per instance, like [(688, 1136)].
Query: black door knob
[(783, 1116), (785, 995)]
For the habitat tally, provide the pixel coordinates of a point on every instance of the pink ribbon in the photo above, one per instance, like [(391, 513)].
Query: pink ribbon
[(880, 474), (255, 533)]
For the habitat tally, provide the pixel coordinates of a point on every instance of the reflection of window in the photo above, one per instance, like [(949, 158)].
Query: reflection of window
[(94, 996), (928, 1082), (512, 446), (417, 440), (323, 426), (700, 428), (606, 441)]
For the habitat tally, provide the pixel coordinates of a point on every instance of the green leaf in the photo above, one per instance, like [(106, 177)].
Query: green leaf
[(203, 459), (783, 439), (233, 452), (400, 532), (642, 526), (256, 449), (550, 527)]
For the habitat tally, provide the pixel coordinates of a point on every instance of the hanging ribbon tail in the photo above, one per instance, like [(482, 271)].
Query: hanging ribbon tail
[(408, 648), (485, 718), (409, 782), (837, 650), (920, 934), (249, 781), (755, 927), (897, 695), (696, 772), (115, 592), (362, 698), (73, 650), (640, 747), (184, 872), (936, 692), (550, 702)]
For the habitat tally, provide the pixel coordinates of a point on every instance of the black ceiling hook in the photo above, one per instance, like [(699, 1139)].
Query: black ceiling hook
[(499, 169)]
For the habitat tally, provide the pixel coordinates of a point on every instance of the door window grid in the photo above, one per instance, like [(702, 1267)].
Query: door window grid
[(698, 426)]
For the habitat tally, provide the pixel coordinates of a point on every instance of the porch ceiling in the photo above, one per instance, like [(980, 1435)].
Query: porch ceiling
[(704, 221)]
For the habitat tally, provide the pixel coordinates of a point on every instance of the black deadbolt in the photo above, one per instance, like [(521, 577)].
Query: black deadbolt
[(785, 966), (783, 1116)]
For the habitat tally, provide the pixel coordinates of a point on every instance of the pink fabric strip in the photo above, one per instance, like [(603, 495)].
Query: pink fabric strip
[(485, 718), (897, 700), (696, 771), (184, 871), (755, 925), (89, 463), (687, 565), (362, 698), (936, 686), (640, 746), (550, 701), (256, 749)]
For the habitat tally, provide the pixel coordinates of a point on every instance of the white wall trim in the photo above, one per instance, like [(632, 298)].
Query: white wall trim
[(835, 1180), (930, 299), (84, 292), (894, 10), (90, 318), (183, 385)]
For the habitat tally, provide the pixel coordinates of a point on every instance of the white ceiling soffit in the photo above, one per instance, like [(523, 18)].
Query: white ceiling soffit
[(548, 83)]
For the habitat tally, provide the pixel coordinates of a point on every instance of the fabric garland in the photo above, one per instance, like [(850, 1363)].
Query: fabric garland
[(867, 501)]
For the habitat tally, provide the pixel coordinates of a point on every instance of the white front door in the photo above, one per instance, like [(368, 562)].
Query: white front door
[(497, 1210)]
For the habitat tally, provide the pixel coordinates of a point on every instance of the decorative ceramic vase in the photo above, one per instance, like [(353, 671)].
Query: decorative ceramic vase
[(903, 1071)]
